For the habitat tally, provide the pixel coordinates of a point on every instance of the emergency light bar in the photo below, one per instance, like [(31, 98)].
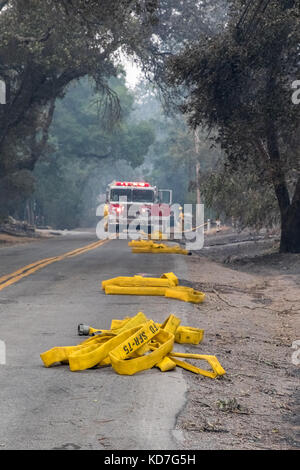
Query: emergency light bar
[(130, 183)]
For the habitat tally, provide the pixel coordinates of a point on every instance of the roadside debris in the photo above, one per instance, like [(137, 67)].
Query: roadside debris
[(133, 345), (17, 228), (232, 406)]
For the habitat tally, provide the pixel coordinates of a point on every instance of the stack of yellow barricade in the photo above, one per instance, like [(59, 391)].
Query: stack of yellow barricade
[(148, 246), (166, 285), (133, 345)]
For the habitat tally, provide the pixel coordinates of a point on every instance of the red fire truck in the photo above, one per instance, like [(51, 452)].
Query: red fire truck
[(138, 201)]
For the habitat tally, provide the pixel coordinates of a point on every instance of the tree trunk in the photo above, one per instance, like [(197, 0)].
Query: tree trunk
[(197, 167), (289, 210), (290, 225)]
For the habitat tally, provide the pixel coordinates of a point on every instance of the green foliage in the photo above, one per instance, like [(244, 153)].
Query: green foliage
[(239, 83), (82, 147), (175, 157), (171, 168), (171, 160), (47, 45), (240, 193), (81, 131)]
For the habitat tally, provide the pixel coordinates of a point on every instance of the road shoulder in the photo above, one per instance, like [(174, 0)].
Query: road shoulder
[(250, 318)]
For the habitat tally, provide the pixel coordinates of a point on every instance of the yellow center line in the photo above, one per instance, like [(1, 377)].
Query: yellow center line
[(16, 276), (25, 268)]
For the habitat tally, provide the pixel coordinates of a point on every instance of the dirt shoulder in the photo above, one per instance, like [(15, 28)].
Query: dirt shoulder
[(251, 318), (8, 240)]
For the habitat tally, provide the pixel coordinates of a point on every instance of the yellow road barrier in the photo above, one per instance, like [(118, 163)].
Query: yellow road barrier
[(148, 246), (166, 285), (212, 361), (133, 345), (183, 334)]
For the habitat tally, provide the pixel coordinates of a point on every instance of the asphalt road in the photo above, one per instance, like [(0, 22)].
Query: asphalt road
[(50, 408)]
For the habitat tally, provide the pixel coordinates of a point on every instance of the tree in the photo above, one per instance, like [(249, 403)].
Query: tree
[(175, 24), (172, 159), (241, 194), (175, 159), (47, 45), (84, 154), (44, 47), (240, 85)]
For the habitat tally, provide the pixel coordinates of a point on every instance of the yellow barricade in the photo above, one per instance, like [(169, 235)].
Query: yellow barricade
[(188, 335), (133, 345), (212, 360), (120, 290), (166, 285), (183, 334), (148, 246), (187, 294), (136, 281), (130, 366)]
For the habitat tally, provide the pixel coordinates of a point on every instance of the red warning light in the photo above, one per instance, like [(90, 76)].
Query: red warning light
[(135, 184)]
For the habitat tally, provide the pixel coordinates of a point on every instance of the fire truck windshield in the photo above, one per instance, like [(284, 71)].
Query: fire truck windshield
[(142, 195), (116, 193), (132, 195)]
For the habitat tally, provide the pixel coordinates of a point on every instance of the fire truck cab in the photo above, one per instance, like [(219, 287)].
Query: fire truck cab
[(128, 201)]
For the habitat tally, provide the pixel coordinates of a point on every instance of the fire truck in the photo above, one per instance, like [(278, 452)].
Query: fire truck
[(138, 201)]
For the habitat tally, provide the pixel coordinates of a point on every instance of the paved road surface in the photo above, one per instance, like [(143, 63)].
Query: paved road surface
[(95, 409)]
